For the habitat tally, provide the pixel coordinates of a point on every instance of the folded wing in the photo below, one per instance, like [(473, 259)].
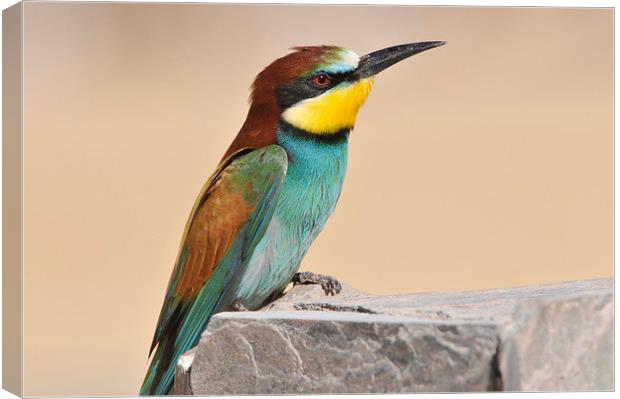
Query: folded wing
[(226, 223)]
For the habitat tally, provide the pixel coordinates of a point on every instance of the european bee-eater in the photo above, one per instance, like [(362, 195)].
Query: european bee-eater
[(270, 196)]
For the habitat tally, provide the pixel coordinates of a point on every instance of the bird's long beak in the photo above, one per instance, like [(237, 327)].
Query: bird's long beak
[(375, 62)]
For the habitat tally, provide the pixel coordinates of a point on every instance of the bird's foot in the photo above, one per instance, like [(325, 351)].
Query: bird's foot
[(237, 306), (330, 285)]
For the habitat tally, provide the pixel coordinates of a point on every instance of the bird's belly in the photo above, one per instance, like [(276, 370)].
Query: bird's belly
[(295, 225), (276, 259)]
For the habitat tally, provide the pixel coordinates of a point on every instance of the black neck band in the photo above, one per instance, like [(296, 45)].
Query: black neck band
[(336, 137)]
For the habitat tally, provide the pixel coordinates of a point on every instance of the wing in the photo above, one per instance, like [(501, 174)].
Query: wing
[(227, 221)]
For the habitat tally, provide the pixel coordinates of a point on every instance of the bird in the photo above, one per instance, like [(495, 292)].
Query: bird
[(269, 197)]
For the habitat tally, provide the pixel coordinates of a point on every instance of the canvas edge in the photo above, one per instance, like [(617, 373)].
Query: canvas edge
[(12, 208)]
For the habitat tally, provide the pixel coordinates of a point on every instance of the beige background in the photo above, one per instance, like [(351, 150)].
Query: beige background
[(485, 163)]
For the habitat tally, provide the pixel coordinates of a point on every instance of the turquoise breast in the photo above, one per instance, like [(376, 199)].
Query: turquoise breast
[(311, 189)]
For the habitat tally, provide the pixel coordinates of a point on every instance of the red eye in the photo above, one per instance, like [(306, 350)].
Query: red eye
[(321, 80)]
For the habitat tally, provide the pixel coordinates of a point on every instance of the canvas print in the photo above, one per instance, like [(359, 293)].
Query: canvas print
[(220, 199)]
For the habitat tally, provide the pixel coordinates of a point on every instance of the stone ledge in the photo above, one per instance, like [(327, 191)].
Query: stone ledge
[(544, 338)]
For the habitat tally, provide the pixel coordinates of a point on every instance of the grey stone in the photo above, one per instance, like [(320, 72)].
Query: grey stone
[(541, 338), (559, 345), (327, 352), (494, 304), (301, 294), (182, 384)]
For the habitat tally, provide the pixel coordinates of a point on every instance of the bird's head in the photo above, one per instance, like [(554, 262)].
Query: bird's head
[(317, 89)]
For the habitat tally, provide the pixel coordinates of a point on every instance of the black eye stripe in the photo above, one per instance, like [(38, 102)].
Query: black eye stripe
[(303, 88)]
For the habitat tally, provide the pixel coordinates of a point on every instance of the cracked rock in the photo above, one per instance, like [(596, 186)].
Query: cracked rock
[(542, 338)]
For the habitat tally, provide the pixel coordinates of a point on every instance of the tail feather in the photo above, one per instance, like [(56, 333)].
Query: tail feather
[(160, 375), (159, 378), (183, 334)]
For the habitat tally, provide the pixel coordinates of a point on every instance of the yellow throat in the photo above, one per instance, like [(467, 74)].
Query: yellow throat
[(332, 111)]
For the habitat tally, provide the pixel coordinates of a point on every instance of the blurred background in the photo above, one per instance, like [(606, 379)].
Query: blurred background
[(484, 163)]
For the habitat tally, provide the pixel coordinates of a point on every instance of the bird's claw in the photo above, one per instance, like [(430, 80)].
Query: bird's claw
[(330, 285)]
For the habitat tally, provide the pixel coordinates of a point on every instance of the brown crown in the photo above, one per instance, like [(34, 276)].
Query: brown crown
[(258, 130)]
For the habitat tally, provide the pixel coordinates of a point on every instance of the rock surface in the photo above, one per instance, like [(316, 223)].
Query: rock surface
[(559, 345), (536, 338)]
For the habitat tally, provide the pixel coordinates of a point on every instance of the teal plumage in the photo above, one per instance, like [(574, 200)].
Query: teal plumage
[(271, 195), (314, 178)]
